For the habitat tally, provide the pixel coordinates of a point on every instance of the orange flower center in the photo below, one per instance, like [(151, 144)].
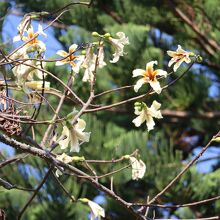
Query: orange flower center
[(72, 57), (30, 36), (150, 74)]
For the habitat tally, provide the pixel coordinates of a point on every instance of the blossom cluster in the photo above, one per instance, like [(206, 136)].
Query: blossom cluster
[(30, 75), (149, 76)]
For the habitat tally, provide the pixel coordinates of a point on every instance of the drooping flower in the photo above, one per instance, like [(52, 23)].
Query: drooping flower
[(178, 57), (96, 210), (118, 45), (33, 43), (149, 76), (73, 134), (147, 114), (74, 60), (26, 70), (138, 168), (90, 63)]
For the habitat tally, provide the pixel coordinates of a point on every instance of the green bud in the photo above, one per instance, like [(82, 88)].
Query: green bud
[(126, 157), (191, 54), (107, 35), (95, 34), (199, 59), (137, 104), (216, 139), (83, 200), (83, 52), (78, 159)]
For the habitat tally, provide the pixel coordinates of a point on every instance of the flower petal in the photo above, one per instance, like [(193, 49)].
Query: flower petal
[(83, 136), (60, 63), (154, 109), (172, 61), (150, 65), (160, 72), (150, 122), (155, 105), (72, 48), (40, 30), (62, 53), (116, 57), (138, 168), (180, 50), (171, 53), (16, 38), (96, 210), (74, 142), (138, 72), (138, 120), (187, 60), (65, 142), (177, 65), (81, 124), (139, 83), (155, 86)]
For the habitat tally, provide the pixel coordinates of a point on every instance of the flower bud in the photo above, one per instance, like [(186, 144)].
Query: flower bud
[(126, 157), (107, 35), (199, 59), (78, 159), (137, 104), (83, 200), (216, 139), (83, 52), (95, 34)]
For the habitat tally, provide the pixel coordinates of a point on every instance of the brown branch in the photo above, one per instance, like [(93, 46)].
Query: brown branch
[(179, 206), (35, 193), (10, 186), (212, 43), (183, 171), (72, 198), (111, 13), (188, 114), (13, 159), (150, 92), (53, 161)]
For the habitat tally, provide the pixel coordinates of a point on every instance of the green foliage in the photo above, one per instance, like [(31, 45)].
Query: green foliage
[(152, 28)]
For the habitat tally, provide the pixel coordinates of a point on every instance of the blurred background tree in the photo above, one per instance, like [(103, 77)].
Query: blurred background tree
[(190, 108)]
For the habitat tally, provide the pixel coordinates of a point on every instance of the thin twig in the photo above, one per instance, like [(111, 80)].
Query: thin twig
[(35, 193), (182, 172)]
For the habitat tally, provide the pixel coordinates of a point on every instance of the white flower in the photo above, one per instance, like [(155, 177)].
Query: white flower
[(70, 58), (178, 57), (22, 71), (147, 114), (64, 158), (73, 135), (34, 43), (25, 72), (138, 168), (118, 45), (96, 210), (149, 76), (90, 63)]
